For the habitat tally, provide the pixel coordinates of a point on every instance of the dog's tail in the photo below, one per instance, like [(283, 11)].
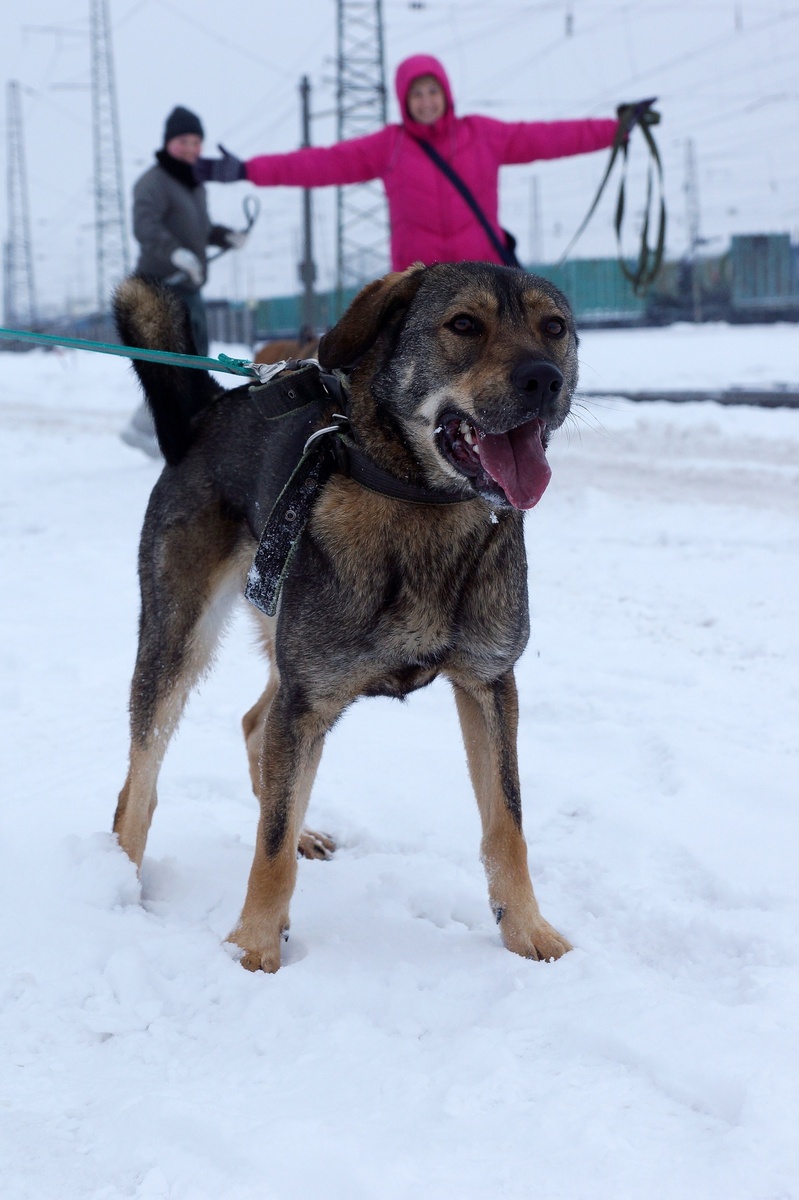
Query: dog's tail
[(153, 317)]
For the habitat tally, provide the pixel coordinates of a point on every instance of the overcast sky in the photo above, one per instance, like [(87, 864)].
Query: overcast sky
[(726, 73)]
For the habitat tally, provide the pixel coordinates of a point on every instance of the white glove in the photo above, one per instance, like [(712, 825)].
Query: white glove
[(188, 262), (235, 238)]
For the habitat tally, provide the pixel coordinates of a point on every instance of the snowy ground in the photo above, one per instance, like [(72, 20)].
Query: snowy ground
[(401, 1052)]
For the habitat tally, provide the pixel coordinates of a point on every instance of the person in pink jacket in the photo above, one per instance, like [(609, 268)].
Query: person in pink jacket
[(430, 220)]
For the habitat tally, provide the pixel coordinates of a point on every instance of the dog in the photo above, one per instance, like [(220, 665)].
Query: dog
[(411, 564), (305, 345)]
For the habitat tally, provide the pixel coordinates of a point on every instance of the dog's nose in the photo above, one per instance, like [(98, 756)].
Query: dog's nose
[(539, 381)]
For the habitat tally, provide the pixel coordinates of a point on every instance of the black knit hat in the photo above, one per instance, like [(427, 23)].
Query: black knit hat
[(182, 120)]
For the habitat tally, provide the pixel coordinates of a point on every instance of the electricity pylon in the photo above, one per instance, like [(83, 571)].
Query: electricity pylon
[(19, 295), (362, 222), (113, 257)]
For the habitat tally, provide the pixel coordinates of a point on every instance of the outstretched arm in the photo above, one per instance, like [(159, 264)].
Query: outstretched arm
[(525, 141), (528, 141), (353, 161)]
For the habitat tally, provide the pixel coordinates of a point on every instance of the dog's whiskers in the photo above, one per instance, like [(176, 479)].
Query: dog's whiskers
[(584, 414)]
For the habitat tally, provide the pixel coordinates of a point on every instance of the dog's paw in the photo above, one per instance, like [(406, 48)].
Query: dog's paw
[(262, 954), (257, 960), (315, 845), (538, 940)]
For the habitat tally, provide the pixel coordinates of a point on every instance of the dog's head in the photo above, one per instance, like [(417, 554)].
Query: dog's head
[(460, 374)]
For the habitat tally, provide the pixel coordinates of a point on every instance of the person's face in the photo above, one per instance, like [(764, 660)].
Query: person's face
[(186, 148), (426, 100)]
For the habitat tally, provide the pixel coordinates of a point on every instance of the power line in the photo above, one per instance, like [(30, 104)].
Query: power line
[(219, 39)]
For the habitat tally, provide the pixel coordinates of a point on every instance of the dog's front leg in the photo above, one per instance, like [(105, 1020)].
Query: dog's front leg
[(292, 747), (489, 719)]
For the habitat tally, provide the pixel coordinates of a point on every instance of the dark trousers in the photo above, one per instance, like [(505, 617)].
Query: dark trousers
[(197, 315)]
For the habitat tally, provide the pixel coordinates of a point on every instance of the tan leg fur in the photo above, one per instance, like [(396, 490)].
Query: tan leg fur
[(489, 718)]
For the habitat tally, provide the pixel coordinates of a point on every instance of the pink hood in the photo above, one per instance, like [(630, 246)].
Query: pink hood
[(410, 69)]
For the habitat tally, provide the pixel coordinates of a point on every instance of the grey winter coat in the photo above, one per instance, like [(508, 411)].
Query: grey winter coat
[(168, 214)]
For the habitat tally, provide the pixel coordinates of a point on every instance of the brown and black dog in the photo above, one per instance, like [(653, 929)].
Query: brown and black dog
[(305, 345), (453, 378)]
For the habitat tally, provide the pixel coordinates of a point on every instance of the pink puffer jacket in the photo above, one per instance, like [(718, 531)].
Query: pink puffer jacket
[(430, 221)]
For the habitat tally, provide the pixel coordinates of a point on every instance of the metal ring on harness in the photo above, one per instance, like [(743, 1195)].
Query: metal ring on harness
[(342, 421)]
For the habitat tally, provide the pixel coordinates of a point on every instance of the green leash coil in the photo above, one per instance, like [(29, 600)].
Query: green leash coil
[(650, 257)]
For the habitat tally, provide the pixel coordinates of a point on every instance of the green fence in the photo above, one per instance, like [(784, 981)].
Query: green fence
[(596, 289), (757, 278), (281, 316), (764, 272)]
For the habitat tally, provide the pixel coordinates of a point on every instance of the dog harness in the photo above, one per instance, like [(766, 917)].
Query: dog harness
[(299, 394)]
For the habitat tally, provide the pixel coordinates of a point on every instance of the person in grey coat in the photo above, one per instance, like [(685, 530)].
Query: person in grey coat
[(174, 231)]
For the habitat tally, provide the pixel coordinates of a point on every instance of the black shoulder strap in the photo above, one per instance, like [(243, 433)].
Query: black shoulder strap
[(507, 255)]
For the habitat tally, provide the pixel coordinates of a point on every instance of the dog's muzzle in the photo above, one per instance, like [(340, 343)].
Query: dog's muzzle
[(504, 468), (505, 460)]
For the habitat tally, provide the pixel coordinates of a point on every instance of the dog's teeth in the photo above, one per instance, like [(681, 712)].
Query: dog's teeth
[(467, 433)]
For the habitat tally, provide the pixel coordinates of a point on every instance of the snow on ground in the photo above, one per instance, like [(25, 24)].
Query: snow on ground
[(401, 1051), (690, 357)]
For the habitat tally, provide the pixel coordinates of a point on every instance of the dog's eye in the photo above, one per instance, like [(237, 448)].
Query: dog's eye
[(554, 327), (466, 325)]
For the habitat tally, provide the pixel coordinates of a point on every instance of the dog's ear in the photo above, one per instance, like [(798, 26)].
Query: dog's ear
[(371, 310)]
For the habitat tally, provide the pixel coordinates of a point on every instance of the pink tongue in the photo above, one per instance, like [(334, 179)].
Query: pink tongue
[(516, 461)]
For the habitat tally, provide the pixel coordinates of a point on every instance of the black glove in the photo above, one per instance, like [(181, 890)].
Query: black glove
[(226, 169), (640, 112)]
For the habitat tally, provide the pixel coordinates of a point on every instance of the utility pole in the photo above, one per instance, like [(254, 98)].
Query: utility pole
[(307, 266), (694, 238), (19, 296), (536, 251), (362, 224), (113, 256)]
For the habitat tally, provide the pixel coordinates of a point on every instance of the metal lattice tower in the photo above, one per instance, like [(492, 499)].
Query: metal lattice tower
[(362, 220), (113, 257), (19, 296)]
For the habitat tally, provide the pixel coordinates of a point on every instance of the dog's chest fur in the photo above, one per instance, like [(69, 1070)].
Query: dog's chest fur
[(391, 594)]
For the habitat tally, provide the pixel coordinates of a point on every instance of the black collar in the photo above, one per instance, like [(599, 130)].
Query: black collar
[(289, 387), (177, 169), (353, 463)]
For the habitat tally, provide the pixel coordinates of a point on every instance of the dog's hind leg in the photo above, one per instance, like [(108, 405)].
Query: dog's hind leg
[(149, 741), (294, 733), (254, 719), (184, 610), (310, 843), (489, 718)]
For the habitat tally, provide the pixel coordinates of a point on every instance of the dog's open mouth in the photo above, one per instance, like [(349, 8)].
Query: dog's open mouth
[(511, 465)]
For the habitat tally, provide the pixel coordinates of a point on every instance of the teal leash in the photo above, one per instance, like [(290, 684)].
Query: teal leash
[(233, 366)]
